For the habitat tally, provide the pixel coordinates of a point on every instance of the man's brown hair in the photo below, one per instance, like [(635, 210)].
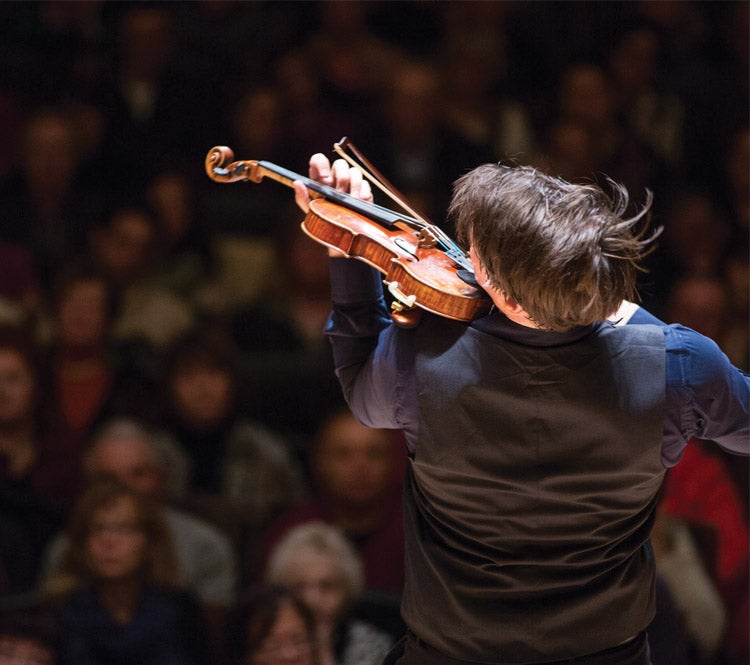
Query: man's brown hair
[(565, 252)]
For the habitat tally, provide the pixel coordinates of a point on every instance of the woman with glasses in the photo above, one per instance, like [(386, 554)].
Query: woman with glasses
[(118, 594)]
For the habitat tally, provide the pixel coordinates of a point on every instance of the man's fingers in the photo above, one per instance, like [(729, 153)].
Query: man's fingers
[(320, 169), (341, 175), (338, 175)]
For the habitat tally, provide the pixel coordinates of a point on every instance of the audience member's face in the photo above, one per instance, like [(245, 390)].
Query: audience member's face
[(355, 463), (314, 578), (288, 642), (696, 234), (16, 650), (202, 395), (130, 462), (116, 545), (49, 154), (123, 249), (587, 95), (17, 388), (169, 195), (82, 317)]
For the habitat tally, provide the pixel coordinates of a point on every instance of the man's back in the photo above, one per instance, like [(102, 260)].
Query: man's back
[(533, 494)]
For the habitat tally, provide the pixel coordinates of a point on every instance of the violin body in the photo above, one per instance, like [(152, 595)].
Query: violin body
[(422, 268), (415, 276)]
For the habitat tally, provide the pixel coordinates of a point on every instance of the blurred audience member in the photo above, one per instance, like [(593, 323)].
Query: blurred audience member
[(242, 474), (473, 60), (232, 457), (701, 492), (125, 450), (288, 368), (154, 111), (43, 203), (357, 488), (184, 260), (117, 590), (272, 627), (30, 637), (694, 243), (353, 62), (90, 375), (588, 96), (681, 567), (29, 512), (319, 564), (568, 151), (654, 114), (21, 429), (414, 149), (124, 247), (20, 288)]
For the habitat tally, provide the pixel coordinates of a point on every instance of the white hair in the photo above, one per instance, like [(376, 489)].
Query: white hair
[(322, 539)]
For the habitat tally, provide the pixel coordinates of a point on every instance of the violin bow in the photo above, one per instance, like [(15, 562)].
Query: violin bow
[(375, 177)]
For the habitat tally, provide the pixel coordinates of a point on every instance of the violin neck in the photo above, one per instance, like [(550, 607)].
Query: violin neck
[(388, 218)]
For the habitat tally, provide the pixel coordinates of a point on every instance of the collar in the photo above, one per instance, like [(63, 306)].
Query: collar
[(497, 324)]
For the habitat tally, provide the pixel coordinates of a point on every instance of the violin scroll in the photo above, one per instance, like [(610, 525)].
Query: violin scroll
[(220, 166)]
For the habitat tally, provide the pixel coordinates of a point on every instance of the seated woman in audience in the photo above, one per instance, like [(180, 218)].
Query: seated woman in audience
[(116, 592), (320, 565), (242, 474), (29, 512), (273, 627)]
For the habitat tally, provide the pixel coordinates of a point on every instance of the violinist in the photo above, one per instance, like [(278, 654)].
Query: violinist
[(538, 433)]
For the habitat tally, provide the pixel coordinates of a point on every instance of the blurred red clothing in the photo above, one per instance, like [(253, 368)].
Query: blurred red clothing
[(701, 491)]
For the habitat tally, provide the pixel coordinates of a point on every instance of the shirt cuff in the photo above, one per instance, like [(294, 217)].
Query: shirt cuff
[(354, 281)]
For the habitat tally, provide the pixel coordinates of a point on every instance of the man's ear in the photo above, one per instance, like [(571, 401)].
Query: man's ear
[(512, 306)]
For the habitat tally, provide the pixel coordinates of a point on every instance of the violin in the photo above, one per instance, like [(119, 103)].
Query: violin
[(423, 268)]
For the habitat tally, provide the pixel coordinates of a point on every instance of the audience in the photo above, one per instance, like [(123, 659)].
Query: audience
[(273, 627), (206, 563), (90, 375), (45, 205), (681, 569), (30, 512), (319, 564), (124, 246), (241, 472), (109, 110), (356, 487), (117, 591), (30, 637), (287, 371)]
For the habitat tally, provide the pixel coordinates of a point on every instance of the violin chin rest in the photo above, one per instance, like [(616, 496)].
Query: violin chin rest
[(468, 277)]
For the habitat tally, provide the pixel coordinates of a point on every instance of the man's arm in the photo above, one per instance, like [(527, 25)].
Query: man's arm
[(707, 397), (360, 327), (364, 348)]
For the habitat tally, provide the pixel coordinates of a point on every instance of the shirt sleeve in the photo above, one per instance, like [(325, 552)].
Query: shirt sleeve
[(706, 396), (712, 396), (362, 336)]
